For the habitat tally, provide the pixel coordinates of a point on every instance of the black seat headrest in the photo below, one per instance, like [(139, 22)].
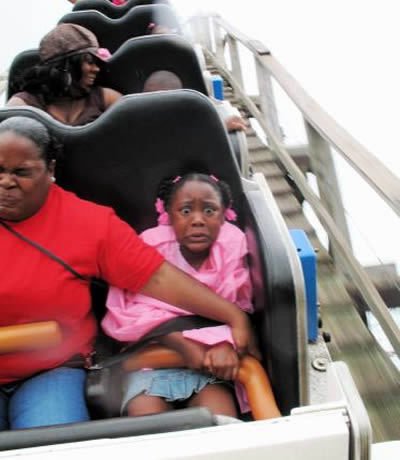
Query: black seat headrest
[(111, 10), (22, 62), (138, 57), (111, 33), (120, 158)]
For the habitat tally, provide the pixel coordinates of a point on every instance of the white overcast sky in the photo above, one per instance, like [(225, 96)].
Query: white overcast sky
[(345, 53)]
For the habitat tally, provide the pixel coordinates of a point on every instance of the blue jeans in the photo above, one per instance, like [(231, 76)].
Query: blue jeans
[(50, 398), (171, 384)]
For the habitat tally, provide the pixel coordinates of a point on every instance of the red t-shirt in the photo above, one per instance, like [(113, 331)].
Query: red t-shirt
[(33, 287)]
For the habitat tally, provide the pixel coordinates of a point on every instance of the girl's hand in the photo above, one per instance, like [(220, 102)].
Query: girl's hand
[(192, 352), (222, 361)]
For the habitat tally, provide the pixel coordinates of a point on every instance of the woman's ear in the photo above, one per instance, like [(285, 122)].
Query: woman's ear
[(52, 167)]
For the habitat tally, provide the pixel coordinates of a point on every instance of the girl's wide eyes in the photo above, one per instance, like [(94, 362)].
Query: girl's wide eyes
[(185, 211), (209, 211)]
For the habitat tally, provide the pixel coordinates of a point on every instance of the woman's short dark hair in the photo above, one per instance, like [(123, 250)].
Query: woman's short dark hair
[(35, 131)]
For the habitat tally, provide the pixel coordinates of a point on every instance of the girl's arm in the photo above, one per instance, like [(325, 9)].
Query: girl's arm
[(220, 360), (173, 286), (192, 352)]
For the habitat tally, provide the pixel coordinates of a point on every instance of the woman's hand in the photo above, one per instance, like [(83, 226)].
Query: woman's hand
[(243, 336), (222, 361), (193, 296)]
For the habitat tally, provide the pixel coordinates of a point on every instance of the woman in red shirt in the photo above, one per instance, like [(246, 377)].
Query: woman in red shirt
[(36, 387)]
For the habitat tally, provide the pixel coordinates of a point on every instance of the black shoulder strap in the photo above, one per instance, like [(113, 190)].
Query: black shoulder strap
[(46, 252), (181, 323)]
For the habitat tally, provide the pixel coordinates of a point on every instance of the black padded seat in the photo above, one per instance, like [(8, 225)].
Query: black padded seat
[(137, 58), (22, 62), (111, 10), (131, 64), (120, 158), (111, 33)]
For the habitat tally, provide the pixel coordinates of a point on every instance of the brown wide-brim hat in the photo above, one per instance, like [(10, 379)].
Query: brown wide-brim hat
[(67, 40)]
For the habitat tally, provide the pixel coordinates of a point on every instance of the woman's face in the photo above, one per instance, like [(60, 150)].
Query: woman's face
[(24, 177), (90, 69)]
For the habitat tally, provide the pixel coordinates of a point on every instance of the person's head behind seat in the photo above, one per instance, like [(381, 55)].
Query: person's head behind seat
[(154, 28), (162, 80)]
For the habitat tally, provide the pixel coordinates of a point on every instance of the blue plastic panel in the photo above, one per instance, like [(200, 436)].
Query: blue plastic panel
[(308, 261), (218, 87)]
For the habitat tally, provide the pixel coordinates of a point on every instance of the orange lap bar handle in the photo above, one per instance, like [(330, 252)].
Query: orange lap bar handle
[(251, 374), (28, 337)]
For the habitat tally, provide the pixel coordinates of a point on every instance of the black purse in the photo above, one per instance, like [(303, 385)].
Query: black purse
[(105, 380)]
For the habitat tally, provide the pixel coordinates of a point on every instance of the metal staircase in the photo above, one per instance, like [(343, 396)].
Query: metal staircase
[(348, 338)]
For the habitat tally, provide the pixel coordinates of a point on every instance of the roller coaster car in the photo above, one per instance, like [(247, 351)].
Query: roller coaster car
[(111, 10), (111, 33), (119, 159)]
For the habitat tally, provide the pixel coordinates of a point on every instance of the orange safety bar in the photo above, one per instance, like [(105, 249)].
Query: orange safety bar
[(251, 374), (28, 337)]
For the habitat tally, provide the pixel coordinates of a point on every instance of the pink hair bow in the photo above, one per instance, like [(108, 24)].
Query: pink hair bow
[(163, 218), (230, 214)]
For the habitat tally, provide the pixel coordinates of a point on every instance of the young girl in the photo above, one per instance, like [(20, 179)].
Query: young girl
[(193, 234)]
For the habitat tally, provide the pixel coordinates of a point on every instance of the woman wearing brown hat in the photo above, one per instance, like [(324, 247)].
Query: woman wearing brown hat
[(63, 83)]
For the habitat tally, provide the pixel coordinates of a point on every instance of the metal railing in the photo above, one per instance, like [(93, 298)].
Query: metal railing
[(3, 82), (220, 42)]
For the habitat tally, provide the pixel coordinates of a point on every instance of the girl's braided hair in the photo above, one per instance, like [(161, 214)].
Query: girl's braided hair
[(169, 186)]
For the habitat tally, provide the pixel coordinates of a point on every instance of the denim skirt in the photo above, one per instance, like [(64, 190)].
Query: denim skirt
[(170, 384)]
